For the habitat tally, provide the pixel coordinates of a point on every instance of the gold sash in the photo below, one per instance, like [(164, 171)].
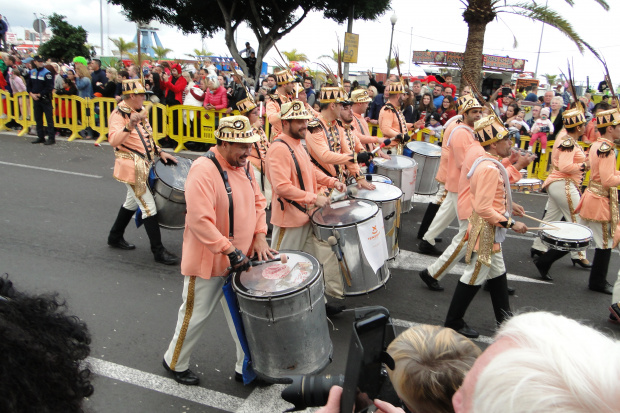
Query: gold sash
[(141, 167), (599, 189), (480, 228)]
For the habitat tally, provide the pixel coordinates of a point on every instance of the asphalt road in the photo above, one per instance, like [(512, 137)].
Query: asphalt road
[(58, 204)]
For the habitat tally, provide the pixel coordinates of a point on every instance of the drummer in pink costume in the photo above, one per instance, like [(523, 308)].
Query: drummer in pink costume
[(285, 81), (391, 120), (598, 208), (217, 239), (485, 129), (569, 165), (134, 148)]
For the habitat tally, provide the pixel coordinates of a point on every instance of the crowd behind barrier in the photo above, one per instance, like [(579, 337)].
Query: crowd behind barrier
[(181, 123)]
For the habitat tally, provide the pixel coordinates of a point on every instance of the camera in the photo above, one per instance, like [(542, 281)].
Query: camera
[(364, 374)]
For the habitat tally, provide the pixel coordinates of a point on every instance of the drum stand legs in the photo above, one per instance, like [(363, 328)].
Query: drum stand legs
[(429, 215)]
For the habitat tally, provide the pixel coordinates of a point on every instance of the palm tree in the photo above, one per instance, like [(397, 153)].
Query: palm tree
[(294, 56), (479, 13), (134, 58), (161, 52), (393, 63), (198, 53), (333, 56), (550, 80), (123, 46)]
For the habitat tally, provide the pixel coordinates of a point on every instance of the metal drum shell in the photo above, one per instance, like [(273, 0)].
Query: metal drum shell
[(395, 174), (427, 156), (564, 244), (390, 207), (287, 334), (364, 279), (170, 201)]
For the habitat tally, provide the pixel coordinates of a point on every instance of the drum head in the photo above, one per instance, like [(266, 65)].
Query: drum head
[(383, 192), (425, 149), (529, 181), (569, 231), (275, 279), (344, 213), (397, 162), (174, 175), (378, 178)]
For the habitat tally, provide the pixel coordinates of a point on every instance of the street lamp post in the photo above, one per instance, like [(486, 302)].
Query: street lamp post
[(393, 21)]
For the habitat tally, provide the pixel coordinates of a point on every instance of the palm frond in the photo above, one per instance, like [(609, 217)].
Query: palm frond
[(329, 74), (397, 61), (339, 60)]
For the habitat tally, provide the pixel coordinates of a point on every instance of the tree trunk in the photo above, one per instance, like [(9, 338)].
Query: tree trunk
[(472, 58)]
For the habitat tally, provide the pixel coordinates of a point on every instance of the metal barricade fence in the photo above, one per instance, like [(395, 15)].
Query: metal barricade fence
[(100, 110), (6, 109)]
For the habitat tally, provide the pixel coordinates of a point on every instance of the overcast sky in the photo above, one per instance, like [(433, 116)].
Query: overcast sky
[(434, 25)]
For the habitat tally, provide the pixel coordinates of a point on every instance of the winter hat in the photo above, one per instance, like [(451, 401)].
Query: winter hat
[(544, 111)]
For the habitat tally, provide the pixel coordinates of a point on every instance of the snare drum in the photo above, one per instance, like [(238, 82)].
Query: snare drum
[(388, 198), (528, 184), (402, 171), (169, 192), (378, 178), (283, 311), (427, 155), (569, 237), (340, 219)]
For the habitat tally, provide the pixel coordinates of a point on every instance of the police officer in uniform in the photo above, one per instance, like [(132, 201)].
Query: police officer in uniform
[(40, 87)]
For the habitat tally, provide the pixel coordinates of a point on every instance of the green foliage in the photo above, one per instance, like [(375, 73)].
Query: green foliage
[(393, 63), (295, 56), (333, 57), (67, 41), (123, 46), (161, 52)]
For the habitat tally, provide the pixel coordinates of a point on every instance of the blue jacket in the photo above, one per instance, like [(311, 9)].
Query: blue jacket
[(3, 27), (438, 101), (85, 88), (40, 81)]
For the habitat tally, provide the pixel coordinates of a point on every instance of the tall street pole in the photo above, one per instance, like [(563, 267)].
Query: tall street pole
[(393, 21), (345, 74), (101, 25)]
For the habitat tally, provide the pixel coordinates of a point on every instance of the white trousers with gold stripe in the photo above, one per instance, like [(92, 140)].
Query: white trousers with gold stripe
[(445, 215), (453, 254), (477, 273), (441, 194), (558, 206), (145, 202), (601, 233), (297, 239), (200, 296)]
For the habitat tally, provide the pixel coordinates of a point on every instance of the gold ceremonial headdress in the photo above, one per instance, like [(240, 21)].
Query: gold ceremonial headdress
[(395, 88), (360, 96), (468, 102), (490, 130), (573, 117), (294, 110), (133, 86), (335, 94), (284, 76), (246, 105), (608, 118), (236, 129)]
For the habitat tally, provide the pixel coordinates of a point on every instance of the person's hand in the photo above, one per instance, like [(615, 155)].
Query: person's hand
[(367, 119), (517, 210), (385, 407), (340, 187), (322, 200), (261, 248), (514, 157), (381, 154), (519, 227), (523, 162), (587, 163), (333, 401), (228, 110), (238, 260), (166, 157), (364, 184), (373, 121), (364, 157), (136, 118)]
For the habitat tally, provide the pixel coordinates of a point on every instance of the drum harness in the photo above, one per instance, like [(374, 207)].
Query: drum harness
[(402, 124), (359, 123), (224, 175), (299, 177), (334, 146)]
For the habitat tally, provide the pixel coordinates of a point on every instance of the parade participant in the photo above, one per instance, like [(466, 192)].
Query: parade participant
[(301, 95), (248, 108), (328, 145), (360, 100), (491, 202), (487, 127), (569, 166), (460, 137), (391, 120), (134, 148), (598, 207), (225, 224), (295, 182), (352, 133), (284, 79), (40, 85)]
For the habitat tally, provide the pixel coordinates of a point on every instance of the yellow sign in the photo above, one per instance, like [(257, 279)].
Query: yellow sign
[(351, 42)]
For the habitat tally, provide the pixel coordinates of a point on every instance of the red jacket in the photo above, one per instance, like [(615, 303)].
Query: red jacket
[(177, 88), (218, 98)]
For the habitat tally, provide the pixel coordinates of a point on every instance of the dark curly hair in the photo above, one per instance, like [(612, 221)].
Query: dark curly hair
[(43, 351)]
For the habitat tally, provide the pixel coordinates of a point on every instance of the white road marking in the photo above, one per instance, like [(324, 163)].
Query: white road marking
[(164, 385), (407, 324), (50, 170), (409, 260)]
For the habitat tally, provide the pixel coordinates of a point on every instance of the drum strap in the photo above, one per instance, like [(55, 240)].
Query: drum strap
[(455, 129), (359, 123), (299, 177), (333, 141), (231, 209)]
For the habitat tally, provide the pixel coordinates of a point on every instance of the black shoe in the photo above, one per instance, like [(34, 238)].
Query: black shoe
[(50, 142), (40, 140), (186, 377), (430, 282), (164, 257), (438, 239), (427, 248), (605, 289), (511, 290), (121, 245), (583, 263), (238, 377), (544, 274), (333, 309), (534, 252), (467, 331)]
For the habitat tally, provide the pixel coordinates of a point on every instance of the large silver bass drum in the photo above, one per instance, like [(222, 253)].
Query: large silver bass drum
[(169, 192), (427, 155), (402, 170)]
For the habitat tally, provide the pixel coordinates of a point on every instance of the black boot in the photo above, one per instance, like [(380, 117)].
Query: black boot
[(463, 295), (115, 239), (598, 273), (159, 252), (545, 261), (427, 248), (498, 287), (429, 215), (39, 140)]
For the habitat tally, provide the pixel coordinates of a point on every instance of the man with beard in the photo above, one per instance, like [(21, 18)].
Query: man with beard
[(491, 203), (283, 94), (354, 120), (391, 120)]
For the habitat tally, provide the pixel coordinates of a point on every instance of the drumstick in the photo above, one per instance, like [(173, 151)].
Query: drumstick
[(540, 220), (545, 228)]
